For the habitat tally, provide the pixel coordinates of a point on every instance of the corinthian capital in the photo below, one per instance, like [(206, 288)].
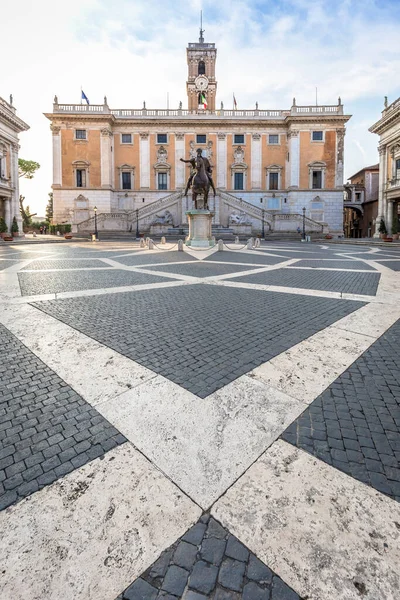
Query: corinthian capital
[(293, 133), (382, 150), (55, 129)]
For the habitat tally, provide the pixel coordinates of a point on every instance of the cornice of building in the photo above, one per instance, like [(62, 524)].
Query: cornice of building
[(7, 114), (390, 116)]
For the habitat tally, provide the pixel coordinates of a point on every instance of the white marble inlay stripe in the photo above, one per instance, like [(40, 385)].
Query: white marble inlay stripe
[(91, 533), (321, 531)]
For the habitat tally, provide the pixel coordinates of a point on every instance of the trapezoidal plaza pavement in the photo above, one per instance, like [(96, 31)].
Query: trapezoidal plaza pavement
[(199, 425)]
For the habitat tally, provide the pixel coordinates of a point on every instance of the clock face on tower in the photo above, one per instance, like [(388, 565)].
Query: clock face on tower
[(201, 83)]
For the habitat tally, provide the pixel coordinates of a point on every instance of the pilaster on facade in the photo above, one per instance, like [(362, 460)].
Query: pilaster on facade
[(294, 159), (382, 149), (179, 165), (106, 158), (221, 160), (339, 165), (256, 162), (57, 159), (144, 150)]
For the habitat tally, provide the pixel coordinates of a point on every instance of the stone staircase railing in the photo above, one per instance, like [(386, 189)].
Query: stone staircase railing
[(154, 207), (247, 207), (310, 224), (88, 224)]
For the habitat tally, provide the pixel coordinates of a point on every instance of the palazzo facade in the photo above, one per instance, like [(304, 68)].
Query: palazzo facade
[(10, 127), (267, 164), (388, 129)]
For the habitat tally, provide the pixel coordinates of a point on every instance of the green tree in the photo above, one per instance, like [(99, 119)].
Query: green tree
[(27, 169), (3, 226), (49, 208)]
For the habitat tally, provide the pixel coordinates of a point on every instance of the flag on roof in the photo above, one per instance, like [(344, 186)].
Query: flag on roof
[(84, 97), (203, 101), (234, 102)]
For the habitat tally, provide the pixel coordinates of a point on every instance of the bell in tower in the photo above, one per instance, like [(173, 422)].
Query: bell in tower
[(201, 84)]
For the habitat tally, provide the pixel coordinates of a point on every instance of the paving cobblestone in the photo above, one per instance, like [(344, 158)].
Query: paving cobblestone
[(6, 264), (201, 269), (354, 425), (61, 264), (333, 281), (40, 417), (52, 283), (241, 257), (335, 264), (202, 354), (156, 257), (393, 265), (244, 578)]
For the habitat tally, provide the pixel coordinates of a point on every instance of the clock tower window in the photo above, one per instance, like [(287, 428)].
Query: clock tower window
[(201, 68)]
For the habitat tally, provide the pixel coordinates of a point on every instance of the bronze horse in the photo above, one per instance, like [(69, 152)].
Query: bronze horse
[(200, 183)]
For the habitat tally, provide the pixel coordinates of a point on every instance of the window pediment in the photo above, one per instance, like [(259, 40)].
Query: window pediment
[(126, 167), (83, 164), (274, 168), (162, 166), (317, 164)]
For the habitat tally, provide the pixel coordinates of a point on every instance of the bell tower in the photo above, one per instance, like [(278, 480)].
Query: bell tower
[(201, 85)]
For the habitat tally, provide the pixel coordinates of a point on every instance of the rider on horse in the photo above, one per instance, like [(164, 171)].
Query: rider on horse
[(207, 167)]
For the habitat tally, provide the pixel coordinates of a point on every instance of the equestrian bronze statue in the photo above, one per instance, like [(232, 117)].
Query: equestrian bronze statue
[(201, 181)]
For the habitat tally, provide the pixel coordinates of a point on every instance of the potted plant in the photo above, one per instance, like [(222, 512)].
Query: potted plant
[(382, 229), (3, 231), (14, 227)]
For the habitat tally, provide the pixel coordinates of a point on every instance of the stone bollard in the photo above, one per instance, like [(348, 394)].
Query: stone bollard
[(151, 244), (180, 245), (257, 243), (213, 240), (163, 240), (220, 245), (250, 244), (237, 239), (142, 243)]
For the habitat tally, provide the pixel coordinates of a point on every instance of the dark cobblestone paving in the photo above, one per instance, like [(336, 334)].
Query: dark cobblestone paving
[(199, 336), (201, 269), (332, 281), (83, 263), (46, 429), (155, 258), (52, 283), (335, 264), (355, 424), (241, 257), (208, 563), (6, 264), (394, 265)]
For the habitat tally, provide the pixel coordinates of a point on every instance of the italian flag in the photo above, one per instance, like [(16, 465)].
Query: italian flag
[(203, 101)]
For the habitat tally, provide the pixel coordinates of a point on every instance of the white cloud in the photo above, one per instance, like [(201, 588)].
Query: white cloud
[(135, 51)]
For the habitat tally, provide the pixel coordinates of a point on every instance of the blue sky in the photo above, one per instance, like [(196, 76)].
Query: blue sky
[(134, 51)]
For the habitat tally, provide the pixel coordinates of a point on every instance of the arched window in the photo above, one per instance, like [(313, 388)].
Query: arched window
[(202, 68)]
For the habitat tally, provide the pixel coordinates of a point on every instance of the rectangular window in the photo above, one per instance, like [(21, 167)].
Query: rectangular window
[(238, 138), (238, 183), (80, 178), (317, 136), (80, 134), (273, 138), (162, 138), (126, 138), (126, 181), (201, 139), (316, 180), (273, 203), (398, 168), (162, 181), (273, 181)]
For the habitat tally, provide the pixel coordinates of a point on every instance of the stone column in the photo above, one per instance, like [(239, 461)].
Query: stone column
[(144, 150), (7, 213), (180, 180), (105, 157), (389, 217), (340, 133), (221, 160), (57, 164), (256, 161), (15, 212), (294, 159), (382, 183)]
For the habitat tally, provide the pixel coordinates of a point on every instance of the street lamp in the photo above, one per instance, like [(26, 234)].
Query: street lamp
[(304, 224), (263, 226), (96, 233), (137, 223)]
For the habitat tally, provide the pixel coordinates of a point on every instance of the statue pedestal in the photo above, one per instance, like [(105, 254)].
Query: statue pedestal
[(200, 223)]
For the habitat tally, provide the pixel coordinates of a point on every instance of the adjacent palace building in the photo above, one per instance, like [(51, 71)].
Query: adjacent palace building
[(10, 127), (268, 165)]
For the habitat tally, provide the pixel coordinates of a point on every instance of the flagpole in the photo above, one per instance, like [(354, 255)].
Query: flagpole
[(81, 94)]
